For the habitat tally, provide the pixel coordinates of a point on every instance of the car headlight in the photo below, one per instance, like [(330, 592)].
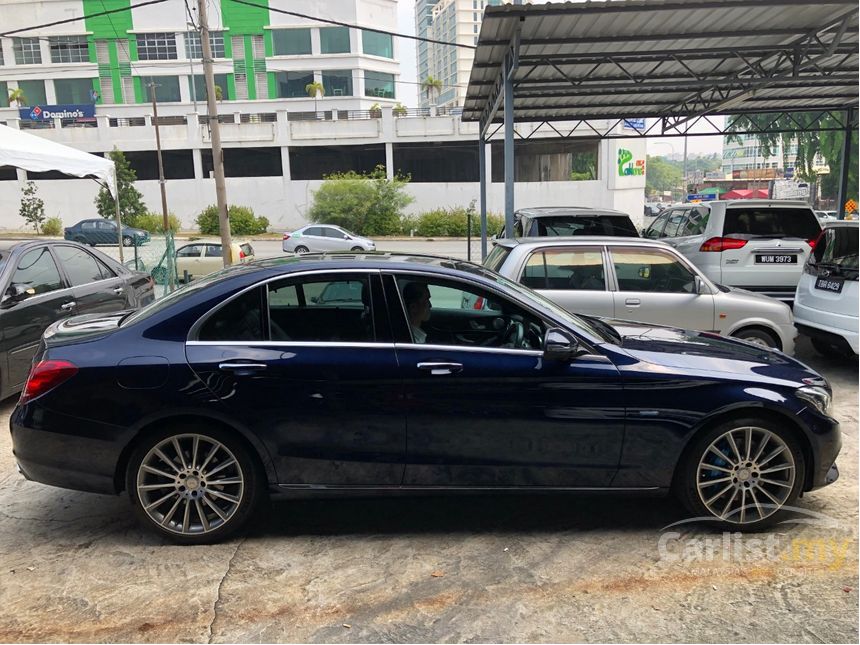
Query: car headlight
[(818, 397)]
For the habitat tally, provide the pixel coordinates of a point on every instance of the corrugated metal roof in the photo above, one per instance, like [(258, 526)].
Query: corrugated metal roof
[(668, 58)]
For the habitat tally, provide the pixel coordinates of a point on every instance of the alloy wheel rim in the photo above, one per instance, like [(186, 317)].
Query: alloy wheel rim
[(745, 475), (190, 484)]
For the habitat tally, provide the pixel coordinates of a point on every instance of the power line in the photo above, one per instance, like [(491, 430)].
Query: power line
[(84, 17), (346, 24)]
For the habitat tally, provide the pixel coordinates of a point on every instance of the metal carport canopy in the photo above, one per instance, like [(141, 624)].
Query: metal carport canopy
[(672, 60)]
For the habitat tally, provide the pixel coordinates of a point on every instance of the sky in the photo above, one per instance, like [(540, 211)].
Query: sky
[(407, 92)]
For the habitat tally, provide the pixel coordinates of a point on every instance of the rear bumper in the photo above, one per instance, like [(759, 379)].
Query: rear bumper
[(847, 341), (834, 328)]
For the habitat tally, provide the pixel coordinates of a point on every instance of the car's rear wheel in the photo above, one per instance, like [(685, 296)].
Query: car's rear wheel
[(301, 249), (759, 337), (193, 485), (741, 474)]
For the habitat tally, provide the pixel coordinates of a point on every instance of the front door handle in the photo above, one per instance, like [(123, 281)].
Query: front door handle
[(632, 302), (118, 290), (440, 369), (68, 306), (242, 369)]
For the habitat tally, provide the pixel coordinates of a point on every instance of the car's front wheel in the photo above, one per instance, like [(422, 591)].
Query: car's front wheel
[(758, 337), (356, 248), (193, 485), (741, 474), (127, 240)]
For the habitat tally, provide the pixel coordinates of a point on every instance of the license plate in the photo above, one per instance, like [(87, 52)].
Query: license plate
[(833, 285), (776, 259)]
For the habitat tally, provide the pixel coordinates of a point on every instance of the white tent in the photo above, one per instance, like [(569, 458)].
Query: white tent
[(36, 154)]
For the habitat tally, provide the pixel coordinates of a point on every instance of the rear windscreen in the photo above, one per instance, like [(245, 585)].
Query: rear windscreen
[(838, 247), (587, 225), (497, 257), (772, 222)]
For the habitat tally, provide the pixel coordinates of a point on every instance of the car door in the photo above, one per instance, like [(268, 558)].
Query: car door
[(336, 240), (24, 319), (316, 380), (656, 286), (96, 289), (314, 238), (674, 225), (211, 260), (89, 232), (484, 408), (188, 260), (106, 232), (573, 277)]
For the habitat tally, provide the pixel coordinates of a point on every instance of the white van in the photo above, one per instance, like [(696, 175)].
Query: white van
[(827, 300)]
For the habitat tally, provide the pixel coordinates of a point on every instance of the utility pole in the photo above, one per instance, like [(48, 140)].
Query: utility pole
[(215, 133), (161, 185)]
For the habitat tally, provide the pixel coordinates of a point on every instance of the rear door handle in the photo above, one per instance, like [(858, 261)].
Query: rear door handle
[(68, 306), (118, 290), (632, 302), (242, 369), (440, 369)]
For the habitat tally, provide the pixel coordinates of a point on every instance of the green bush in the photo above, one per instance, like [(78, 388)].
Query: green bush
[(154, 222), (242, 221), (53, 226), (364, 204), (452, 222)]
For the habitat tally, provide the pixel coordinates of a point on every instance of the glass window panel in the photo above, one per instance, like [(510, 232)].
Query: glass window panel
[(651, 271), (379, 84), (194, 48), (34, 92), (337, 82), (197, 89), (557, 269), (377, 44), (291, 42), (156, 46), (38, 271), (676, 219), (292, 84), (80, 266), (166, 90), (73, 90), (240, 319), (27, 51), (334, 40), (4, 94), (69, 49)]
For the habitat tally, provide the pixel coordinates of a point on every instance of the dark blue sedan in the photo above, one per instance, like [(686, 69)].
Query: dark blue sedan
[(104, 231), (256, 381)]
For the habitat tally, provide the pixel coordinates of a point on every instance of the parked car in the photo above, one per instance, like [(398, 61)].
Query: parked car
[(570, 220), (827, 301), (202, 258), (104, 231), (42, 282), (244, 383), (642, 280), (826, 216), (756, 244), (325, 237)]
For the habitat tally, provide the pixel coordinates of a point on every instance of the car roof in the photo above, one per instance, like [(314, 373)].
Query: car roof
[(580, 240), (365, 260), (576, 211), (787, 203), (10, 245)]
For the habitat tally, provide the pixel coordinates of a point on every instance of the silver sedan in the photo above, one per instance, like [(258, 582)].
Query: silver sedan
[(315, 238), (642, 280)]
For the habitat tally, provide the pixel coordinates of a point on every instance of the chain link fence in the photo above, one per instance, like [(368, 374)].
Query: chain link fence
[(157, 257)]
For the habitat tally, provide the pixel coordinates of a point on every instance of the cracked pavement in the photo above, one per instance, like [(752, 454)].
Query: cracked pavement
[(75, 567)]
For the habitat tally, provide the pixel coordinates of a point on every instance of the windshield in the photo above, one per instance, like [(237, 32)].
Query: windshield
[(771, 223), (838, 247)]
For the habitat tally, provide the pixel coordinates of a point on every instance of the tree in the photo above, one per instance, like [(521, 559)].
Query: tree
[(661, 175), (315, 90), (368, 204), (32, 208), (17, 96), (827, 143), (433, 87), (131, 205)]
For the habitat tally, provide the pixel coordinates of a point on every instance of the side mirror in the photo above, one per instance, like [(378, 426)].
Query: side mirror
[(346, 237), (700, 287), (558, 345)]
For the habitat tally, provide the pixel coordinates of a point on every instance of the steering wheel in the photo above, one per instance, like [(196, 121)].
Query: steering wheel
[(514, 334)]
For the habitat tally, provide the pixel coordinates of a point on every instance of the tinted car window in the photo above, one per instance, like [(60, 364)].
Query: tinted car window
[(37, 270), (674, 223), (88, 226), (213, 250), (557, 269), (240, 319), (772, 222), (191, 251), (79, 265), (647, 270), (697, 221), (656, 229), (585, 225), (333, 232), (321, 309), (838, 247), (106, 226), (496, 258), (314, 230)]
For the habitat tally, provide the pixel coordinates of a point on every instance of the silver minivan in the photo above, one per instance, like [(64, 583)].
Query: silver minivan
[(759, 245)]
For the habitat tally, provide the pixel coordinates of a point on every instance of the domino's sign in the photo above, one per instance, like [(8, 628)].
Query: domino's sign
[(47, 112)]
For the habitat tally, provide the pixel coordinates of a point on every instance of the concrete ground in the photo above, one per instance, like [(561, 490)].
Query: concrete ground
[(75, 567)]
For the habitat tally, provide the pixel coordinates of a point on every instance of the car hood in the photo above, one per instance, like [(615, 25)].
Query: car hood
[(699, 351)]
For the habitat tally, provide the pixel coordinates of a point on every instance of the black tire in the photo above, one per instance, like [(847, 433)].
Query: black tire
[(827, 349), (695, 488), (758, 336), (301, 249), (189, 486), (356, 248), (127, 240)]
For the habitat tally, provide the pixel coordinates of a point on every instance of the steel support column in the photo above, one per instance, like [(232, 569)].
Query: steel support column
[(509, 150), (482, 173), (846, 161)]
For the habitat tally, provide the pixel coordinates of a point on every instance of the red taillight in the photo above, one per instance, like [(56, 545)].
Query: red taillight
[(815, 241), (718, 244), (45, 376), (286, 236), (241, 254)]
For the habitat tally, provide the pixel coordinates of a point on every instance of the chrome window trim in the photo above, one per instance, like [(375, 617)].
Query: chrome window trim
[(287, 343), (469, 348)]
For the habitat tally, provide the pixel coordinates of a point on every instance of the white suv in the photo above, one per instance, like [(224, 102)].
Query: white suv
[(758, 245), (826, 304)]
